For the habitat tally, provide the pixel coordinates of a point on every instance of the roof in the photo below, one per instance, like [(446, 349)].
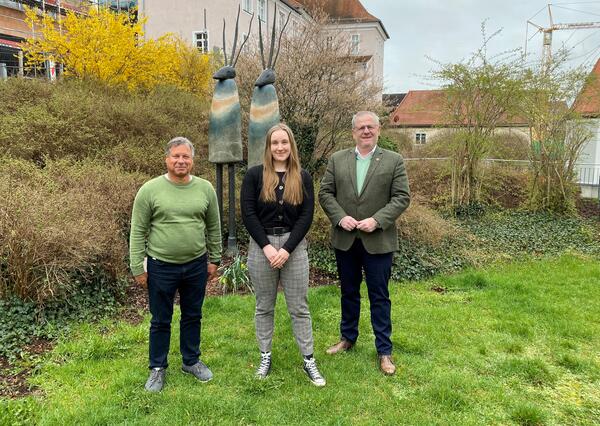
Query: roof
[(420, 108), (587, 102), (424, 108), (392, 100), (10, 43), (343, 11), (292, 3), (361, 59)]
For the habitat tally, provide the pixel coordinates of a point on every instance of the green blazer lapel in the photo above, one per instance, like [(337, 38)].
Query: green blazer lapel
[(375, 161), (351, 165)]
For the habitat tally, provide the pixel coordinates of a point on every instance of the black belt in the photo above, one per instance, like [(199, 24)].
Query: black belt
[(278, 230)]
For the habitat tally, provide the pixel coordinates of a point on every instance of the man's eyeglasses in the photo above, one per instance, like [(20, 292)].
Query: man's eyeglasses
[(363, 128)]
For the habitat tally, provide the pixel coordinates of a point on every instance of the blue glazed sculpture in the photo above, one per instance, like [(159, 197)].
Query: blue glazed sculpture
[(264, 108), (225, 120)]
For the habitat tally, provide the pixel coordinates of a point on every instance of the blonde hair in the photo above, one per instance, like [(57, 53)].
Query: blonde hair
[(293, 192)]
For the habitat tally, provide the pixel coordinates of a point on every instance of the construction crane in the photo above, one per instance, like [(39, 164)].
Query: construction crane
[(547, 43)]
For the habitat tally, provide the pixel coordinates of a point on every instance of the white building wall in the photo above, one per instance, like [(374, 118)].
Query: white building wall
[(591, 151), (588, 169), (432, 133), (184, 17), (372, 39)]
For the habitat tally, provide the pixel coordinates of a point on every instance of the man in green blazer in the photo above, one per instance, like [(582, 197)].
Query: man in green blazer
[(363, 192)]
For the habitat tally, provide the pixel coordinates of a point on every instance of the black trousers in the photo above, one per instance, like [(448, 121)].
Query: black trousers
[(164, 279), (377, 269)]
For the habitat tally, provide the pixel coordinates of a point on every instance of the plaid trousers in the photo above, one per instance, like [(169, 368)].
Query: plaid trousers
[(294, 279)]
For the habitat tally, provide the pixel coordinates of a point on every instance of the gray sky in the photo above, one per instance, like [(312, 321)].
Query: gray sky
[(450, 30)]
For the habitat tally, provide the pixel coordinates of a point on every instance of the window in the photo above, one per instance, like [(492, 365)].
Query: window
[(262, 10), (420, 138), (354, 44), (201, 41), (247, 6)]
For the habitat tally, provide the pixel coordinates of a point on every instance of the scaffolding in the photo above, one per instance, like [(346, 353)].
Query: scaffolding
[(11, 35)]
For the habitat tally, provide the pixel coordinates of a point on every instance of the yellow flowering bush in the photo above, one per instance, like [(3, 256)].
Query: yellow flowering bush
[(110, 47)]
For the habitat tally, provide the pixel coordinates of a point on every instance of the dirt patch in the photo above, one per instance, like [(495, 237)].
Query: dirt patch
[(439, 289), (589, 209), (14, 380)]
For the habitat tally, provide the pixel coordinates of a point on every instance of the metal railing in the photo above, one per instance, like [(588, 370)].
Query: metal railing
[(588, 177)]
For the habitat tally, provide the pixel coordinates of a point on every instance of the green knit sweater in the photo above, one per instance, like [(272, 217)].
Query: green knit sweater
[(175, 223)]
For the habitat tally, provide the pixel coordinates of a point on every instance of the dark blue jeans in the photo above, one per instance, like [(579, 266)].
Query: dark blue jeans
[(164, 279), (377, 268)]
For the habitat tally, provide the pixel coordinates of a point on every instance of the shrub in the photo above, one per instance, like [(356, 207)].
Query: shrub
[(430, 181), (87, 119), (64, 220), (423, 225), (388, 143), (505, 185), (119, 55), (502, 184)]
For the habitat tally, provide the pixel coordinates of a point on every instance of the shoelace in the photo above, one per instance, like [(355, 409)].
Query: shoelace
[(311, 366), (155, 375), (265, 362)]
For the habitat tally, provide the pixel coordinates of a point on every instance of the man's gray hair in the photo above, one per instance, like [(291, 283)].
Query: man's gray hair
[(361, 113), (179, 140)]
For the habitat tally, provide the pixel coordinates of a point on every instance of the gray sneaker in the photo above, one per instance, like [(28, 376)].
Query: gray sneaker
[(199, 370), (264, 368), (156, 380), (310, 366)]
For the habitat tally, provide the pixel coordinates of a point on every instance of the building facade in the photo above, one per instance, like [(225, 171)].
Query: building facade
[(14, 28), (200, 22), (421, 117), (587, 105)]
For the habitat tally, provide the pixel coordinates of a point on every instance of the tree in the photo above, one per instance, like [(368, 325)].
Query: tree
[(319, 85), (110, 47), (557, 133), (481, 93)]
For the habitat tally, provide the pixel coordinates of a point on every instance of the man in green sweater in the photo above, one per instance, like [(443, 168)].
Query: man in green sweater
[(175, 225)]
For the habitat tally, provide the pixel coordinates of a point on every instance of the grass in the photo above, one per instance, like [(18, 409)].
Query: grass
[(513, 344)]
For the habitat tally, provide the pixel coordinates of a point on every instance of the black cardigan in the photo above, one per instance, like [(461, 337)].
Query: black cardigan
[(258, 215)]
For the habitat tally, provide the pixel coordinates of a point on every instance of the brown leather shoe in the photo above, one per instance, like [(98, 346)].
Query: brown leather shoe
[(386, 365), (342, 346)]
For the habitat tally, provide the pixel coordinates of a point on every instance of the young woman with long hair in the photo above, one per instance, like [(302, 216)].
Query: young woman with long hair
[(277, 200)]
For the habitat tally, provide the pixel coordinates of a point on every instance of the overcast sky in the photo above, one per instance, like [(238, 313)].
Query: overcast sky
[(450, 30)]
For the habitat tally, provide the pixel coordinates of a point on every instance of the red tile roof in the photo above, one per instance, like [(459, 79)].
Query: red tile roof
[(292, 3), (587, 102), (420, 108), (10, 43), (424, 108), (341, 10)]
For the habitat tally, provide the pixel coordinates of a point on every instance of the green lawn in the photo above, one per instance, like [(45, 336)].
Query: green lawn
[(512, 344)]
